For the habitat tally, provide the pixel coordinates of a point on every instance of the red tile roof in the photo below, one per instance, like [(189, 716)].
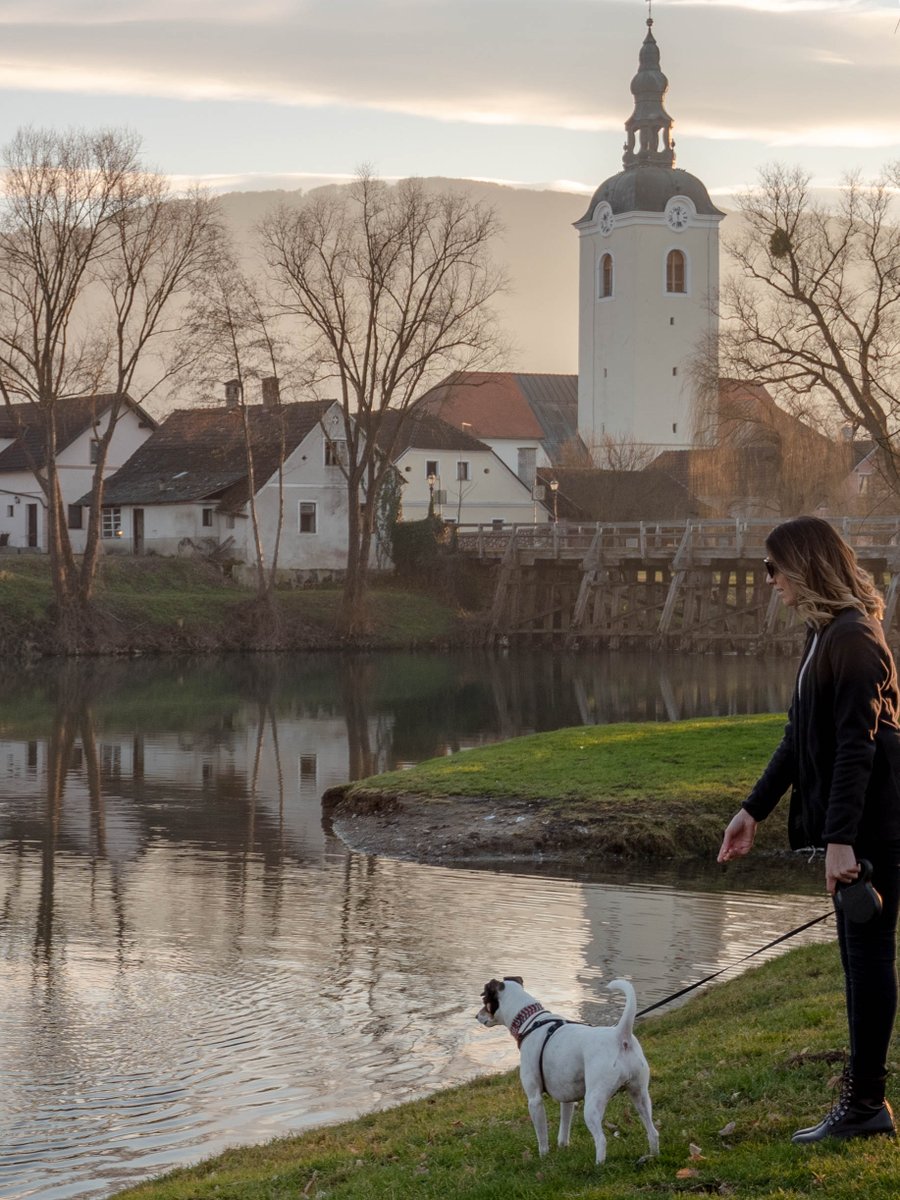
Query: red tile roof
[(506, 404)]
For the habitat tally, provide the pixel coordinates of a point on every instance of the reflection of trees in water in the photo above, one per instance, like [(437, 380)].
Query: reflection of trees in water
[(107, 727)]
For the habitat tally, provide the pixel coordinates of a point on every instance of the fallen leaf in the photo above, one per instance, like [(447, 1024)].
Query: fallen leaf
[(308, 1189), (687, 1173), (726, 1129), (695, 1150)]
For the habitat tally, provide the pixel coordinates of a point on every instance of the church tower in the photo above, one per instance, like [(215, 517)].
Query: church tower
[(648, 278)]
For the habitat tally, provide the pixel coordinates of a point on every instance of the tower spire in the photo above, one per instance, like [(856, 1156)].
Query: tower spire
[(649, 128)]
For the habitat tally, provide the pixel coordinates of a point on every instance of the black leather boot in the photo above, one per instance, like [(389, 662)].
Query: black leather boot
[(854, 1115)]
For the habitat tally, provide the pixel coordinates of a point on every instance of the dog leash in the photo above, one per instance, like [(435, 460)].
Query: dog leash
[(753, 953)]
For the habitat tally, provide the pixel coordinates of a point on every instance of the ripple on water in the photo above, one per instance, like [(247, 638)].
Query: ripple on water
[(340, 989)]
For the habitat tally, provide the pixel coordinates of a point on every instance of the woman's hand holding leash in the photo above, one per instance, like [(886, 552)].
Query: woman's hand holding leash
[(739, 835), (840, 865)]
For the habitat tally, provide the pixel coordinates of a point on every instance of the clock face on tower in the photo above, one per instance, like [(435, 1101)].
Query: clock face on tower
[(678, 215), (605, 218)]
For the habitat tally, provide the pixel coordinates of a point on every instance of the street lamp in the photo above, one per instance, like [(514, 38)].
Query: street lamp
[(554, 488), (431, 481)]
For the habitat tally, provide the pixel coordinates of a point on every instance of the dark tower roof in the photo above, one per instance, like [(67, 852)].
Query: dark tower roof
[(650, 178), (649, 127)]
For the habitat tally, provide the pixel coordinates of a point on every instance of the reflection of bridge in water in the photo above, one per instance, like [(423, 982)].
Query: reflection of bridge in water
[(689, 585)]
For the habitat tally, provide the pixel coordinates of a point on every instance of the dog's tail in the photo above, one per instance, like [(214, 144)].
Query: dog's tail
[(625, 1026)]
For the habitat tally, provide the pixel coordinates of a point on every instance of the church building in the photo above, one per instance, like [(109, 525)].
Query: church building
[(648, 278)]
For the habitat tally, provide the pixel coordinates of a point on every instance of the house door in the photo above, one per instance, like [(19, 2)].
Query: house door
[(137, 537), (31, 524)]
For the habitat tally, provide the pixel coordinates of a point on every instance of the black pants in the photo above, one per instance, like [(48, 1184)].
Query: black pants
[(869, 959)]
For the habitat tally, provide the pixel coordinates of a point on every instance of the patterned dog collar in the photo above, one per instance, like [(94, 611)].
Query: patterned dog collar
[(522, 1016)]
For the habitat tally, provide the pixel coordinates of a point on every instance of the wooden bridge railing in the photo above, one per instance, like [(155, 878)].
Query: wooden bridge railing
[(695, 584)]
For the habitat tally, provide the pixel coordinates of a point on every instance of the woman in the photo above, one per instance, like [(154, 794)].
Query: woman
[(840, 755)]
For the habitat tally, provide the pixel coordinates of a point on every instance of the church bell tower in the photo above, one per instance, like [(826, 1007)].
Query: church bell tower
[(648, 280)]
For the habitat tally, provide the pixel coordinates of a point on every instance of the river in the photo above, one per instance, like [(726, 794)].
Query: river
[(191, 960)]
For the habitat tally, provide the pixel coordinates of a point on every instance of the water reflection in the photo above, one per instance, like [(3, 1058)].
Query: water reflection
[(190, 960)]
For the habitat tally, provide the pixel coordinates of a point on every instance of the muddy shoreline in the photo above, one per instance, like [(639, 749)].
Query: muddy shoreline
[(477, 830)]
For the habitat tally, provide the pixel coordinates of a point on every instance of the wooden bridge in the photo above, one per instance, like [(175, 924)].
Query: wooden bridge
[(697, 585)]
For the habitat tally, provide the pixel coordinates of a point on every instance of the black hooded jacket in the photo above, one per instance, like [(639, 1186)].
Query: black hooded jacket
[(840, 753)]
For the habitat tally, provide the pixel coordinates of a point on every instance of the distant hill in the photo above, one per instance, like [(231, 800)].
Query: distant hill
[(539, 250)]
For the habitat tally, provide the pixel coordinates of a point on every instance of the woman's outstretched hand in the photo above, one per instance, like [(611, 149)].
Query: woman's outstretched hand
[(739, 835)]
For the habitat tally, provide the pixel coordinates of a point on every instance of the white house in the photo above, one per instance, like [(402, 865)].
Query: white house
[(648, 283), (187, 489), (466, 480), (529, 420), (81, 421)]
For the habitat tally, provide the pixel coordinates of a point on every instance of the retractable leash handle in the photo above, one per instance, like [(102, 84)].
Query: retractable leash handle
[(859, 901)]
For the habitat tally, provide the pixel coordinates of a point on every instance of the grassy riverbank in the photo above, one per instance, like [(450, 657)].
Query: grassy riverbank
[(160, 605), (660, 791), (733, 1073)]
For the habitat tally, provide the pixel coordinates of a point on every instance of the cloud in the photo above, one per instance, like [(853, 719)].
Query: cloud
[(766, 71)]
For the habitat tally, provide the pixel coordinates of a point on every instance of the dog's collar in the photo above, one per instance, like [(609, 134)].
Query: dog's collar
[(525, 1014)]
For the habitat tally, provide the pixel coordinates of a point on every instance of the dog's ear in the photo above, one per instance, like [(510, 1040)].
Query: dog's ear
[(491, 996), (515, 979)]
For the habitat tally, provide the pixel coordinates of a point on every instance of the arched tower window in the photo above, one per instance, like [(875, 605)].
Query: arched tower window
[(676, 272), (605, 277)]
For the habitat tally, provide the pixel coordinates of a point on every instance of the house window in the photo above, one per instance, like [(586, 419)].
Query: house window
[(605, 277), (432, 467), (676, 272), (229, 521), (112, 522), (463, 470), (95, 452), (307, 516), (76, 516), (10, 510), (527, 468), (335, 452), (207, 519)]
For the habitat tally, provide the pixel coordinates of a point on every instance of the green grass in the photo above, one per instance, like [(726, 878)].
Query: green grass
[(674, 761), (733, 1073), (665, 790), (160, 604)]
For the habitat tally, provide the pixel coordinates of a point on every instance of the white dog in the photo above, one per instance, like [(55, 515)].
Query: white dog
[(570, 1061)]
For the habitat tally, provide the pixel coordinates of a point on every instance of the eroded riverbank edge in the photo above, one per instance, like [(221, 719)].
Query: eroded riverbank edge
[(468, 830)]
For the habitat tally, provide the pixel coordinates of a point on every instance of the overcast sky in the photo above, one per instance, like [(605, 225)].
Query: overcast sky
[(268, 93)]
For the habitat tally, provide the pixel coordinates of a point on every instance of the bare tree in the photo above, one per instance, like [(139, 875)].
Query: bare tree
[(753, 457), (814, 308), (235, 336), (391, 289), (95, 253)]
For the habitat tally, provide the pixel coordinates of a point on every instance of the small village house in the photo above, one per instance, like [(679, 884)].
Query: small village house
[(529, 421), (464, 480), (187, 489), (81, 421)]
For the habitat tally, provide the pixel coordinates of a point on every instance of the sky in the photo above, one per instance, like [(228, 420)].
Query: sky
[(259, 94)]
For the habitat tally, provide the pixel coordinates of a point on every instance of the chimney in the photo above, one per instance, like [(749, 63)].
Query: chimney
[(232, 393), (271, 395)]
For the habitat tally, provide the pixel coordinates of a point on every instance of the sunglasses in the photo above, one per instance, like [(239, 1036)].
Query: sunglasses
[(771, 569)]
